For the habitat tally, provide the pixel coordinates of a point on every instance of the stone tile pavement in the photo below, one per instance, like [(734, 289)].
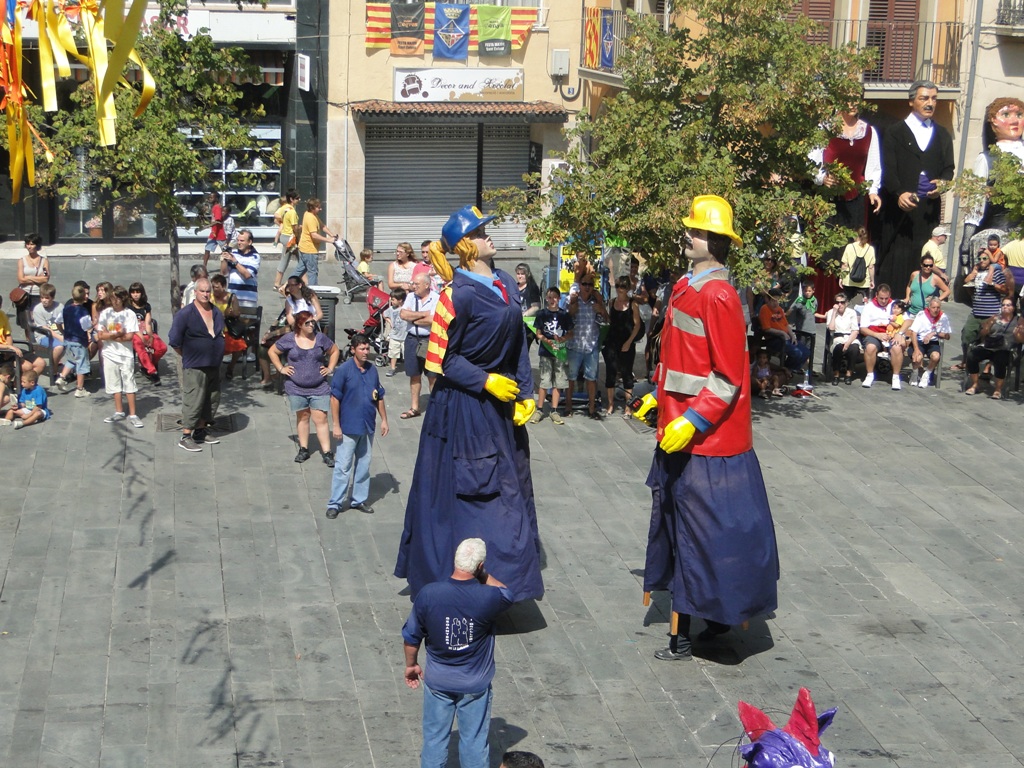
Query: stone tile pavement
[(163, 609)]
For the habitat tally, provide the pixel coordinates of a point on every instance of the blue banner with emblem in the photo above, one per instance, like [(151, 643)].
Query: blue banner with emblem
[(607, 40), (451, 31)]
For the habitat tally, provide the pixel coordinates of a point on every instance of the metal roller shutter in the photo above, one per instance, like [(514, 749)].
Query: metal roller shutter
[(506, 159), (417, 175)]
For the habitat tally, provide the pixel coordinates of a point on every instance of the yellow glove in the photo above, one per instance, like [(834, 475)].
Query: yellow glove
[(502, 387), (524, 410), (678, 435)]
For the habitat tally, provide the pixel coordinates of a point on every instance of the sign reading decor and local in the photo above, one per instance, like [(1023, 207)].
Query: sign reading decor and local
[(419, 85)]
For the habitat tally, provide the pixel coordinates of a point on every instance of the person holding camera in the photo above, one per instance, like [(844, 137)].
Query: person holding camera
[(456, 620)]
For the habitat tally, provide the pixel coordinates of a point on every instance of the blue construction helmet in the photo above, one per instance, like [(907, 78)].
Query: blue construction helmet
[(460, 224)]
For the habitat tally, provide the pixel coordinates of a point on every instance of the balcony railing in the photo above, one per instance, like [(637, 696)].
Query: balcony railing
[(906, 51), (1010, 13)]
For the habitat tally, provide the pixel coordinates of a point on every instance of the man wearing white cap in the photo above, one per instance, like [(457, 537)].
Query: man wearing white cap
[(933, 247)]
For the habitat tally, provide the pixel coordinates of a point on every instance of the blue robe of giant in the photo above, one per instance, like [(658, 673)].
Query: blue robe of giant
[(472, 475)]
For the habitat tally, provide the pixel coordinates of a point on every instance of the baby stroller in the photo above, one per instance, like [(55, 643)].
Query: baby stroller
[(352, 281), (376, 302)]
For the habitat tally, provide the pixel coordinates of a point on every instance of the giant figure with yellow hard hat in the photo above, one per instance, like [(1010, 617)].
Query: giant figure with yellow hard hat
[(472, 476), (711, 540)]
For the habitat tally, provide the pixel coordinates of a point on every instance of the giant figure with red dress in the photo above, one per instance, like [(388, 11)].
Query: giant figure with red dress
[(712, 539), (472, 475)]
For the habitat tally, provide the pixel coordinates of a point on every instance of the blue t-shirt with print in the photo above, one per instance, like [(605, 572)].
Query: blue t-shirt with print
[(455, 621)]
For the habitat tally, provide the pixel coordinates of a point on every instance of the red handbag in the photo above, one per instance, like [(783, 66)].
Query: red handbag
[(19, 297)]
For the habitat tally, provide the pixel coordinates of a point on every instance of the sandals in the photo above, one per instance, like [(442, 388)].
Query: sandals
[(997, 395), (412, 413), (971, 391)]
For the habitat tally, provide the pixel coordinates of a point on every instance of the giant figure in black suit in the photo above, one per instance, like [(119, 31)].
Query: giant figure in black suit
[(909, 174)]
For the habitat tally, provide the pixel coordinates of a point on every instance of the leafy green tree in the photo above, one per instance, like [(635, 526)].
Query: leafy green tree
[(154, 154), (730, 105)]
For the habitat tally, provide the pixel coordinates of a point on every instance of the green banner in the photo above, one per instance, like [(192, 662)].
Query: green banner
[(494, 30)]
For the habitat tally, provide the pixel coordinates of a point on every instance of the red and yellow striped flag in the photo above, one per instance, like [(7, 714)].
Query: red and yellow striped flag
[(592, 38)]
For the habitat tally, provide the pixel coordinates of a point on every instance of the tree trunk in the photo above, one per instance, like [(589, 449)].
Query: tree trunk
[(172, 242)]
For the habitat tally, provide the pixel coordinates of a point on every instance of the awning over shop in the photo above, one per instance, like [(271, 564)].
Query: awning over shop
[(378, 111)]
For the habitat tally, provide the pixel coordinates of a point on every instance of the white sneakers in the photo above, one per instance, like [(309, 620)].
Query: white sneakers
[(896, 384), (869, 379), (925, 379)]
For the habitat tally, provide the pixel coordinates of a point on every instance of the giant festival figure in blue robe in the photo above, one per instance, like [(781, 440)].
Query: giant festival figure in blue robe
[(472, 476)]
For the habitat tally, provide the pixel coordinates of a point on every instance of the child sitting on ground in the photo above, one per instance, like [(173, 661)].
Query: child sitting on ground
[(395, 329), (31, 406), (7, 398), (768, 378)]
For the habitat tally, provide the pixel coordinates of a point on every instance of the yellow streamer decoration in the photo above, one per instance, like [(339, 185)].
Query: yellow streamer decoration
[(103, 22)]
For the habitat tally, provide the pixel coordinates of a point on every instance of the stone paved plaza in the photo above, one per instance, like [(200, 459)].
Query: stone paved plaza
[(160, 608)]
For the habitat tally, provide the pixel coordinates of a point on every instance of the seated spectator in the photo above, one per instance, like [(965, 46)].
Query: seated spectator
[(7, 396), (11, 353), (924, 283), (49, 314), (779, 338), (147, 344), (234, 343), (997, 335), (898, 325), (768, 378), (844, 325), (77, 331), (995, 253), (989, 284), (299, 297), (875, 319), (31, 407), (926, 330)]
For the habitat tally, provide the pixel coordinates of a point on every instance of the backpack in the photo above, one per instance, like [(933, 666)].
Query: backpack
[(859, 270)]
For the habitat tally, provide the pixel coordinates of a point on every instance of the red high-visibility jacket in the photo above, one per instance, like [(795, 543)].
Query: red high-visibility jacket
[(704, 373)]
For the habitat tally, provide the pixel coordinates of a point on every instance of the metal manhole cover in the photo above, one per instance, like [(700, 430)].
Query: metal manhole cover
[(171, 422)]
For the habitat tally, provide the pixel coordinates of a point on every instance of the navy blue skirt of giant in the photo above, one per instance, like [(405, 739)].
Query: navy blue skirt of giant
[(471, 480), (712, 539)]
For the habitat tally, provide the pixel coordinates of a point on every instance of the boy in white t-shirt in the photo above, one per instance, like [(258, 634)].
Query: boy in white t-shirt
[(116, 327)]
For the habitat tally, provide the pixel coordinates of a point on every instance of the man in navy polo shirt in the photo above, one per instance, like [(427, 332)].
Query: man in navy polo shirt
[(455, 618), (356, 398)]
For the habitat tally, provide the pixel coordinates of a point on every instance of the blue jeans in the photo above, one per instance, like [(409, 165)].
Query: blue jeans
[(309, 264), (474, 713), (352, 450)]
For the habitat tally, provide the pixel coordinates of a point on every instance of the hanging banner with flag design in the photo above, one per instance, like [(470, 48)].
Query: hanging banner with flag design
[(378, 27), (607, 40), (494, 30), (407, 29), (451, 31), (591, 38)]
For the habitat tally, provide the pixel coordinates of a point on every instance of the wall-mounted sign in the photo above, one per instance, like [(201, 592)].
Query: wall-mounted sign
[(487, 84), (302, 71)]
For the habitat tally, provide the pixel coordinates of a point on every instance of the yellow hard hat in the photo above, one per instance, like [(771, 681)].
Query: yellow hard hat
[(713, 214)]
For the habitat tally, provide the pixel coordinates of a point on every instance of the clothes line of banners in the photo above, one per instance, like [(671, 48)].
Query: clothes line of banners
[(447, 30)]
